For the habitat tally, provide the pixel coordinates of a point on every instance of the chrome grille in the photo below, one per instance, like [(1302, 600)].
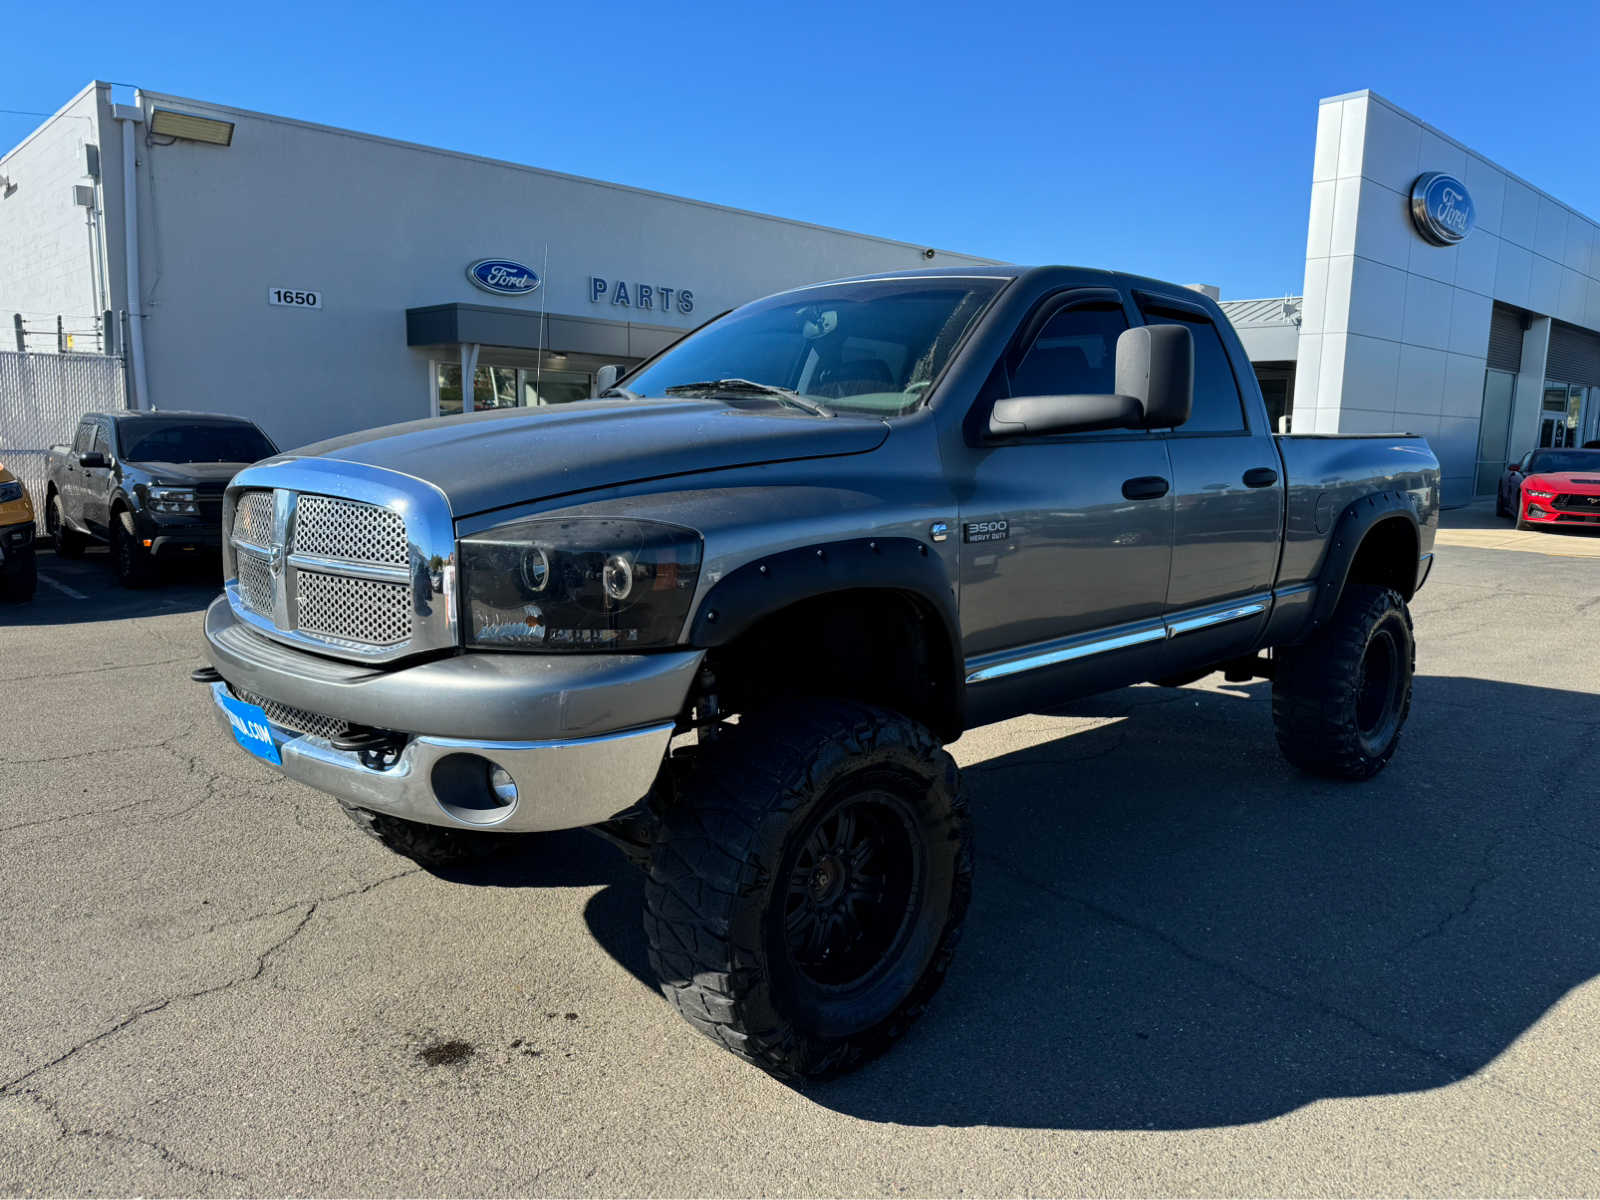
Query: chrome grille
[(333, 528), (356, 610), (252, 521), (255, 583), (296, 720), (342, 558)]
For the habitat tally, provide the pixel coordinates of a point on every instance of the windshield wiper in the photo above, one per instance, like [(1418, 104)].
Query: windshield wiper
[(713, 386)]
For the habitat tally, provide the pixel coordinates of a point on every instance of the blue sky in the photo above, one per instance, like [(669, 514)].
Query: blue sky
[(1171, 139)]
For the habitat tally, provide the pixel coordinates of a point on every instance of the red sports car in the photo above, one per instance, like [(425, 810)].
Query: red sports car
[(1558, 494)]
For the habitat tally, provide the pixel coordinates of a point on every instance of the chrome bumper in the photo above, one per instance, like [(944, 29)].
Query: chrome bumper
[(560, 784)]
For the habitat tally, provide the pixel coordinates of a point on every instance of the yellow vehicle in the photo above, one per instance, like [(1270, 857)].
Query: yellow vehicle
[(17, 575)]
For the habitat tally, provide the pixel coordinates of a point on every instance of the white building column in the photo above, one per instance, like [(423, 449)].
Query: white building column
[(1528, 399)]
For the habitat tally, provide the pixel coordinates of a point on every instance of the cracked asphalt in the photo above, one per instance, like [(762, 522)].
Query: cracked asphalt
[(1187, 970)]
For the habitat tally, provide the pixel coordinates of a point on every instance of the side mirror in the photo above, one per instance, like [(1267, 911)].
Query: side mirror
[(606, 378), (1155, 390), (92, 458), (1155, 365)]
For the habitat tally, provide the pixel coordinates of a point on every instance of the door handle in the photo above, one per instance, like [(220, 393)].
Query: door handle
[(1260, 477), (1145, 487)]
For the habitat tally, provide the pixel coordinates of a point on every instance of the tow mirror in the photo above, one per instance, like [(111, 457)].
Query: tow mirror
[(1155, 390), (92, 458), (606, 378), (1155, 365)]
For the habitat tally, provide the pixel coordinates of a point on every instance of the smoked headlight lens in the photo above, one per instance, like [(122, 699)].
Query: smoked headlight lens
[(10, 490), (578, 583)]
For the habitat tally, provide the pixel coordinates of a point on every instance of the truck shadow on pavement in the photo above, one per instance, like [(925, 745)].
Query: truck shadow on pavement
[(1172, 928)]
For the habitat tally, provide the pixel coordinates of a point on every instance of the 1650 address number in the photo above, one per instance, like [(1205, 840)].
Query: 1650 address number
[(294, 297)]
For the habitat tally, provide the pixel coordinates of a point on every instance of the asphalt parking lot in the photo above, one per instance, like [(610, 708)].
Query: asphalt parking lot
[(1188, 968)]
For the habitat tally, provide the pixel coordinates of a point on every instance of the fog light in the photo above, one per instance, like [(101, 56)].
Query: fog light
[(500, 783), (1535, 511)]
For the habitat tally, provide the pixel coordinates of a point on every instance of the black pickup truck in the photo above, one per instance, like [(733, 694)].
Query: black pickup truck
[(150, 484)]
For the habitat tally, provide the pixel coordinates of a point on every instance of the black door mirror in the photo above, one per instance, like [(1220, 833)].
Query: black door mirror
[(1155, 365), (92, 458), (1155, 390)]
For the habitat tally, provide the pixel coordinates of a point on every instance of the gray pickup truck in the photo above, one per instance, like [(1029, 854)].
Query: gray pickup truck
[(148, 483), (729, 613)]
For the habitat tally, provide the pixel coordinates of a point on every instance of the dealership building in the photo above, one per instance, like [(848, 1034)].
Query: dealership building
[(319, 280)]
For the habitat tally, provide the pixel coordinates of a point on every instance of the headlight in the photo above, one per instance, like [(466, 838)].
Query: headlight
[(1540, 495), (10, 490), (173, 500), (578, 583)]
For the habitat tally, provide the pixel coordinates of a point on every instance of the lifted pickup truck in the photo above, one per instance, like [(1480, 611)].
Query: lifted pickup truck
[(150, 484), (730, 613)]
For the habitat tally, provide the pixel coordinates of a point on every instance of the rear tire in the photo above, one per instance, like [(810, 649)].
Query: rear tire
[(133, 564), (1340, 700), (68, 543), (428, 845), (807, 893)]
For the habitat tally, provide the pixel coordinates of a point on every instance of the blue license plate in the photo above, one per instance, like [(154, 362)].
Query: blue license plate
[(251, 729)]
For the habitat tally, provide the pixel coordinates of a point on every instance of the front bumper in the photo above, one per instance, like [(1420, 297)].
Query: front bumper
[(173, 533), (559, 785), (16, 543), (582, 736), (1544, 512)]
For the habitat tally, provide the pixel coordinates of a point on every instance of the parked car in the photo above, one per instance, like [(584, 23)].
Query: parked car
[(859, 517), (1507, 497), (1552, 496), (18, 577), (149, 483)]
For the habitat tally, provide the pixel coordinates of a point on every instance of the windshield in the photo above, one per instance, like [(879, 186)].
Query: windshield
[(870, 347), (190, 442), (1564, 460)]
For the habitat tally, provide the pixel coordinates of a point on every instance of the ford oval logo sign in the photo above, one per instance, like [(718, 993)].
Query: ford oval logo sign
[(1441, 208), (502, 276)]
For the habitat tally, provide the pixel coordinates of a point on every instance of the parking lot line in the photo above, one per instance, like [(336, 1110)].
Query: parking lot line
[(61, 587)]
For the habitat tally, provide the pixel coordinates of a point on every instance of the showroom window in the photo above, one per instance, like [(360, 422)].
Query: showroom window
[(508, 387)]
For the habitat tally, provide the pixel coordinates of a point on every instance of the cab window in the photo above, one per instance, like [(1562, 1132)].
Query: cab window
[(1075, 354)]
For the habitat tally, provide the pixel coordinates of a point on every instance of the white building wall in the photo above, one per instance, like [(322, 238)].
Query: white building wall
[(46, 267), (1395, 330), (379, 226)]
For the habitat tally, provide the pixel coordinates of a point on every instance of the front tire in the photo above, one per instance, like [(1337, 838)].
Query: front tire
[(133, 563), (68, 543), (806, 895), (431, 846), (19, 578), (1340, 700)]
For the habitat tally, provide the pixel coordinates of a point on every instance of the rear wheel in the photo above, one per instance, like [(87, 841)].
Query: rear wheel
[(1340, 700), (807, 892), (67, 542), (133, 563)]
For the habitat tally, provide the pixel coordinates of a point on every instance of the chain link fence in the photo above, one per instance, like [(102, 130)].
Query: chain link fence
[(42, 398)]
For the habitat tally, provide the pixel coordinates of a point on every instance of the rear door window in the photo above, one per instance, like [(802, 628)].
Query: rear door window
[(1218, 406)]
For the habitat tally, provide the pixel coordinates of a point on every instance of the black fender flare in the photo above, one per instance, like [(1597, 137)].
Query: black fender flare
[(765, 586), (1350, 531)]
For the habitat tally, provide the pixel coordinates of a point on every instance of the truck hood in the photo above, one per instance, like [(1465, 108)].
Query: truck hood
[(194, 473), (511, 456)]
